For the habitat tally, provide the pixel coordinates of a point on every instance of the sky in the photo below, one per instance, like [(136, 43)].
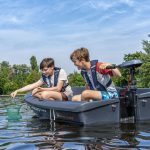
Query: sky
[(55, 28)]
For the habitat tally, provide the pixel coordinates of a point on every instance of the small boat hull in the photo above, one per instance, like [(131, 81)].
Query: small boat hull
[(87, 113), (93, 112)]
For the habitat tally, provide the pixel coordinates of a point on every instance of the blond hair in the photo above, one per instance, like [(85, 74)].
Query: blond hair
[(80, 54)]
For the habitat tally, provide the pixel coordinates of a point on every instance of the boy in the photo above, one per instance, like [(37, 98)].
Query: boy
[(55, 79), (99, 85)]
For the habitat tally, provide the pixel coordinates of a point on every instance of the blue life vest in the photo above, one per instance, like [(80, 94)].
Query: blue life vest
[(99, 86), (56, 74)]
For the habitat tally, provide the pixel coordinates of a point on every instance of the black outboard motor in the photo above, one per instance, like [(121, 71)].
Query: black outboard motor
[(128, 97)]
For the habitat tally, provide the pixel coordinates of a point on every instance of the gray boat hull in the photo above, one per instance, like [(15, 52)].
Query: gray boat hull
[(90, 113), (87, 113)]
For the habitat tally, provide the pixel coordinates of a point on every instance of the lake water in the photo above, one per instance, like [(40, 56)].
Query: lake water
[(25, 132)]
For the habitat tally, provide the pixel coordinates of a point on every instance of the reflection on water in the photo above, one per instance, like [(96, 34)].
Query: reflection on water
[(28, 132)]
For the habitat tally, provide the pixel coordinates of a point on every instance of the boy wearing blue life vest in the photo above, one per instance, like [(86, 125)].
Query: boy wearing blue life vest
[(99, 85), (54, 78)]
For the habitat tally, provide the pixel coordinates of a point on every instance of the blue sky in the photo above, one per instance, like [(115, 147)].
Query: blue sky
[(54, 28)]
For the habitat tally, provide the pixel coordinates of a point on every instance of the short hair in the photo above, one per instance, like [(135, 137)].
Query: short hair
[(80, 54), (47, 62)]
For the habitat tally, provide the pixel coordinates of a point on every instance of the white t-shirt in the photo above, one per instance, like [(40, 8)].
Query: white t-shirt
[(63, 77)]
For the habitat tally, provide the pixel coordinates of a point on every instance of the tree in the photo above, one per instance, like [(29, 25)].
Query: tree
[(33, 62), (143, 72), (145, 68), (146, 46), (75, 79), (125, 72), (9, 87), (32, 77), (19, 74), (4, 75)]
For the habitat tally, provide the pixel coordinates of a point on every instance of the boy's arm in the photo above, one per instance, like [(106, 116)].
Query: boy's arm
[(27, 88), (61, 79), (116, 72), (55, 88), (112, 72)]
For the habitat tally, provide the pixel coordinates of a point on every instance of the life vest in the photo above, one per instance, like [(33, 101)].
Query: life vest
[(47, 80), (100, 86)]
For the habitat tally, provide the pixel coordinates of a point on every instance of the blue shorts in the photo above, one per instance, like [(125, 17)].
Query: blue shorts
[(109, 95)]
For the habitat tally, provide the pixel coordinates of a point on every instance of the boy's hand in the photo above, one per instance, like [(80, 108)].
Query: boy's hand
[(36, 90), (104, 65), (13, 94)]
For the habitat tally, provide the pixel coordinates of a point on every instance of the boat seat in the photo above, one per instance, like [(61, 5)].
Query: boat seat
[(78, 90), (139, 90)]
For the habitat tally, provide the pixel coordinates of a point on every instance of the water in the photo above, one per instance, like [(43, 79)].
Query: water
[(28, 133)]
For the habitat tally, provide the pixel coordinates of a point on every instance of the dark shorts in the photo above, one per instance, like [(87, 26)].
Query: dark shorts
[(64, 97)]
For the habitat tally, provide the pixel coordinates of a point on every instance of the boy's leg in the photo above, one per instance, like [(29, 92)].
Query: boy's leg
[(51, 95), (38, 95), (64, 96), (76, 98), (91, 94)]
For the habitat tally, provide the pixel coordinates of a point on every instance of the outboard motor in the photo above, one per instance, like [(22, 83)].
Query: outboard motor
[(128, 97)]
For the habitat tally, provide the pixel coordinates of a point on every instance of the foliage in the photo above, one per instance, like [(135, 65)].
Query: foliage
[(16, 76), (32, 77), (146, 46), (4, 75), (123, 81), (33, 62), (145, 68), (9, 87), (19, 74), (75, 79), (143, 72)]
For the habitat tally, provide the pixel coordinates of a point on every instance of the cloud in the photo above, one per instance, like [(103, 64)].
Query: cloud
[(101, 5), (128, 2), (11, 20), (109, 28)]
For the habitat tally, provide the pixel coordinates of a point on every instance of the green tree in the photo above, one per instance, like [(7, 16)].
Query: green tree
[(9, 86), (4, 75), (5, 64), (146, 46), (75, 79), (143, 72), (12, 78), (33, 62), (32, 77), (19, 74), (145, 68)]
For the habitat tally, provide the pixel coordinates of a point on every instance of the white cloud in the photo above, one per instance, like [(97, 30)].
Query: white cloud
[(128, 2), (101, 5), (108, 28), (120, 11), (14, 20)]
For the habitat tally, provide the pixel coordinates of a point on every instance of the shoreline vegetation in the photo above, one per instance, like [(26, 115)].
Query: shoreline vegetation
[(6, 95), (17, 76)]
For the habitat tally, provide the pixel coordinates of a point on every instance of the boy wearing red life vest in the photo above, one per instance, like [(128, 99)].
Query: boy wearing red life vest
[(99, 85)]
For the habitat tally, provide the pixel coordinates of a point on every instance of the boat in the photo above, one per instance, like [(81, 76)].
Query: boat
[(132, 105)]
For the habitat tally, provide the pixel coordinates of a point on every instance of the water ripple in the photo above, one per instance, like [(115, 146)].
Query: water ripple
[(28, 131)]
